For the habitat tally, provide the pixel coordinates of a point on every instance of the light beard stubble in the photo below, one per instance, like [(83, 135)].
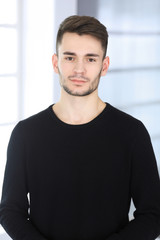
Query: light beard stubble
[(90, 90)]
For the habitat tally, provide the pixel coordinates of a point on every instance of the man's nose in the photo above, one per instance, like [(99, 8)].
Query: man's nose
[(79, 66)]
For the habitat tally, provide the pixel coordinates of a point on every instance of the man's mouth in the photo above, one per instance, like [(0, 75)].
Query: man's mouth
[(78, 79)]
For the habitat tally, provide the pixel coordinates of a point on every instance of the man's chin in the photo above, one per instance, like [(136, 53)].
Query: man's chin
[(78, 93)]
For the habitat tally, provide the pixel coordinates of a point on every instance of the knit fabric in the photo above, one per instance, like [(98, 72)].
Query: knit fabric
[(75, 182)]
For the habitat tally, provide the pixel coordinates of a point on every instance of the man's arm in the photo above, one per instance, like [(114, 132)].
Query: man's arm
[(145, 192), (14, 206)]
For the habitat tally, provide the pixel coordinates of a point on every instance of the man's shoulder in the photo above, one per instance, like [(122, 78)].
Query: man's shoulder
[(34, 123), (121, 115), (37, 118), (123, 120)]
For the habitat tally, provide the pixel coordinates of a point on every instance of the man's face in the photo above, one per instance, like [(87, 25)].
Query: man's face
[(80, 64)]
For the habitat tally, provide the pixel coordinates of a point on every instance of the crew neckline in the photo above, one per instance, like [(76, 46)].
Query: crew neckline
[(90, 123)]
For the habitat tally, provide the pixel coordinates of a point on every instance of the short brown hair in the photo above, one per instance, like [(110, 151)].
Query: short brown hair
[(83, 25)]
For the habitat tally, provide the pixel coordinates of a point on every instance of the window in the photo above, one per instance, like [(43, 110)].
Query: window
[(9, 76), (26, 74)]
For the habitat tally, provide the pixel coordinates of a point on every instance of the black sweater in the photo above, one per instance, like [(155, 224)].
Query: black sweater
[(80, 180)]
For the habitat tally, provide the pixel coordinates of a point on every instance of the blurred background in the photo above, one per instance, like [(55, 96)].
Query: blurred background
[(27, 41)]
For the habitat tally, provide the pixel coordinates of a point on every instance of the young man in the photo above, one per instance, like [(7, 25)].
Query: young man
[(80, 161)]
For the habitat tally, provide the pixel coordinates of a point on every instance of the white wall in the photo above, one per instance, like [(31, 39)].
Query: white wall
[(37, 40)]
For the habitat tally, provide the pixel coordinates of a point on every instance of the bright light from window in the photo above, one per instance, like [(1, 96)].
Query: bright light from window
[(8, 99), (8, 50), (8, 11)]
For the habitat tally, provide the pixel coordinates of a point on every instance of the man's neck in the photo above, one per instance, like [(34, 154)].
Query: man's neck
[(78, 110)]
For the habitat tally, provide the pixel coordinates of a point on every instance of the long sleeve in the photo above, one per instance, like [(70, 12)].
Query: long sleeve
[(14, 206), (91, 173), (145, 192)]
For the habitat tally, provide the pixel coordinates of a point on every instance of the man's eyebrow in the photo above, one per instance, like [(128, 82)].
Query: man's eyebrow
[(69, 53), (87, 55), (92, 55)]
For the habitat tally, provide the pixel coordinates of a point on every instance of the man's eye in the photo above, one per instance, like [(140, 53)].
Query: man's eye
[(69, 58), (91, 60)]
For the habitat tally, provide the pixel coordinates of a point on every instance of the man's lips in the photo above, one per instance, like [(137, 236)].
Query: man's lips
[(78, 81)]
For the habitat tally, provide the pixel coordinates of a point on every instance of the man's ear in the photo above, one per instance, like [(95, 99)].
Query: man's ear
[(55, 63), (105, 66)]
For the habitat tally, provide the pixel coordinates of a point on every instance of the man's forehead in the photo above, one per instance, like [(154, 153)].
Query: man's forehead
[(74, 43), (83, 37)]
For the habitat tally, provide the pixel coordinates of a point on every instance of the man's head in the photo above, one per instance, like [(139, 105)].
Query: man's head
[(81, 55), (83, 25)]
